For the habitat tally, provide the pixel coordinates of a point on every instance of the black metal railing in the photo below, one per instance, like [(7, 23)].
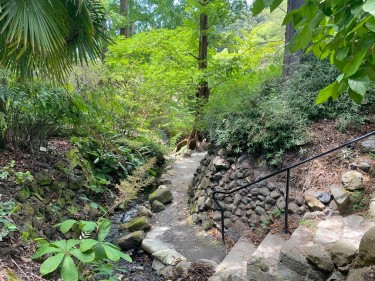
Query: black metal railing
[(287, 170)]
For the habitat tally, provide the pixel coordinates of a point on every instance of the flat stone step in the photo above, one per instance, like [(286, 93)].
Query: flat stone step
[(262, 265), (234, 266)]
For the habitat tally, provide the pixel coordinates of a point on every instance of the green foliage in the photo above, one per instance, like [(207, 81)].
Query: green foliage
[(35, 112), (6, 223), (8, 173), (41, 37), (266, 115), (76, 257), (342, 31), (359, 200)]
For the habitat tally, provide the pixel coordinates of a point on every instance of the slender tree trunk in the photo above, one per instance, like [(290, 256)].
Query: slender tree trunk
[(124, 11), (3, 131), (291, 59), (203, 91)]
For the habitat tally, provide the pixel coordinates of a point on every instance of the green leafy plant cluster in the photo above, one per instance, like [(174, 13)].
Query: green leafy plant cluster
[(81, 259), (8, 173), (6, 223)]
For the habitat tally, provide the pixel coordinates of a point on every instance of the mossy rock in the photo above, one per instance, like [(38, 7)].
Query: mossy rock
[(43, 177), (75, 183), (64, 167), (131, 241), (58, 186), (23, 195), (139, 223), (162, 194), (68, 195), (157, 206), (76, 160), (61, 202)]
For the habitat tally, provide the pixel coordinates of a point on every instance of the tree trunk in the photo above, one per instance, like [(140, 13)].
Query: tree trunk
[(291, 59), (203, 91), (3, 132), (124, 11)]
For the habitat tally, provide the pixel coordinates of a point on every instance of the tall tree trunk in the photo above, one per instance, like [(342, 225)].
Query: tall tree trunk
[(3, 131), (291, 59), (203, 91), (124, 11)]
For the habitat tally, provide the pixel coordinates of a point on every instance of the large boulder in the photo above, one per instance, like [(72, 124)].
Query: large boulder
[(318, 255), (352, 180), (131, 241), (163, 194), (139, 223), (343, 252), (367, 249)]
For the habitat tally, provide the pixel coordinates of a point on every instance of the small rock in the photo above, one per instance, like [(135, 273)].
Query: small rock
[(183, 267), (323, 197), (358, 274), (341, 199), (169, 256), (260, 211), (352, 180), (222, 153), (139, 223), (280, 203), (220, 164), (372, 208), (320, 257), (343, 252), (157, 265), (274, 195), (131, 241), (157, 206), (293, 208), (313, 203), (162, 194), (368, 145), (143, 211), (367, 249)]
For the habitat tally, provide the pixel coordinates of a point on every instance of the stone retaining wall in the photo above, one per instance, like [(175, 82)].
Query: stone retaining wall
[(224, 171)]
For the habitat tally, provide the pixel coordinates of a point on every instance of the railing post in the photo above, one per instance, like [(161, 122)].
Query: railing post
[(222, 225), (286, 200)]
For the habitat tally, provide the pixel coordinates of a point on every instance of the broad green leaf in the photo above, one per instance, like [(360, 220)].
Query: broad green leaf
[(126, 257), (371, 25), (71, 243), (258, 7), (275, 4), (353, 66), (326, 93), (69, 270), (86, 257), (50, 264), (66, 225), (88, 226), (87, 244), (369, 7), (342, 53), (104, 227), (46, 249), (112, 253), (355, 96), (359, 84), (60, 244)]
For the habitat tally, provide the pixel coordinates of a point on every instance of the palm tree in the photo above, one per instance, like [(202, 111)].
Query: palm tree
[(44, 37)]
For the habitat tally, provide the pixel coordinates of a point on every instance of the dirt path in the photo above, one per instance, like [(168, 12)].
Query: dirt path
[(171, 225)]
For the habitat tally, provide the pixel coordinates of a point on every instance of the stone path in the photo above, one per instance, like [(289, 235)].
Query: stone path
[(172, 226)]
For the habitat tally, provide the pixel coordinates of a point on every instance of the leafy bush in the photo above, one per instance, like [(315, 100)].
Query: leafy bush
[(6, 224), (35, 112), (263, 114)]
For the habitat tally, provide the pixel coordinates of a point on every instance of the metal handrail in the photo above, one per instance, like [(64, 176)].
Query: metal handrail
[(287, 170)]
